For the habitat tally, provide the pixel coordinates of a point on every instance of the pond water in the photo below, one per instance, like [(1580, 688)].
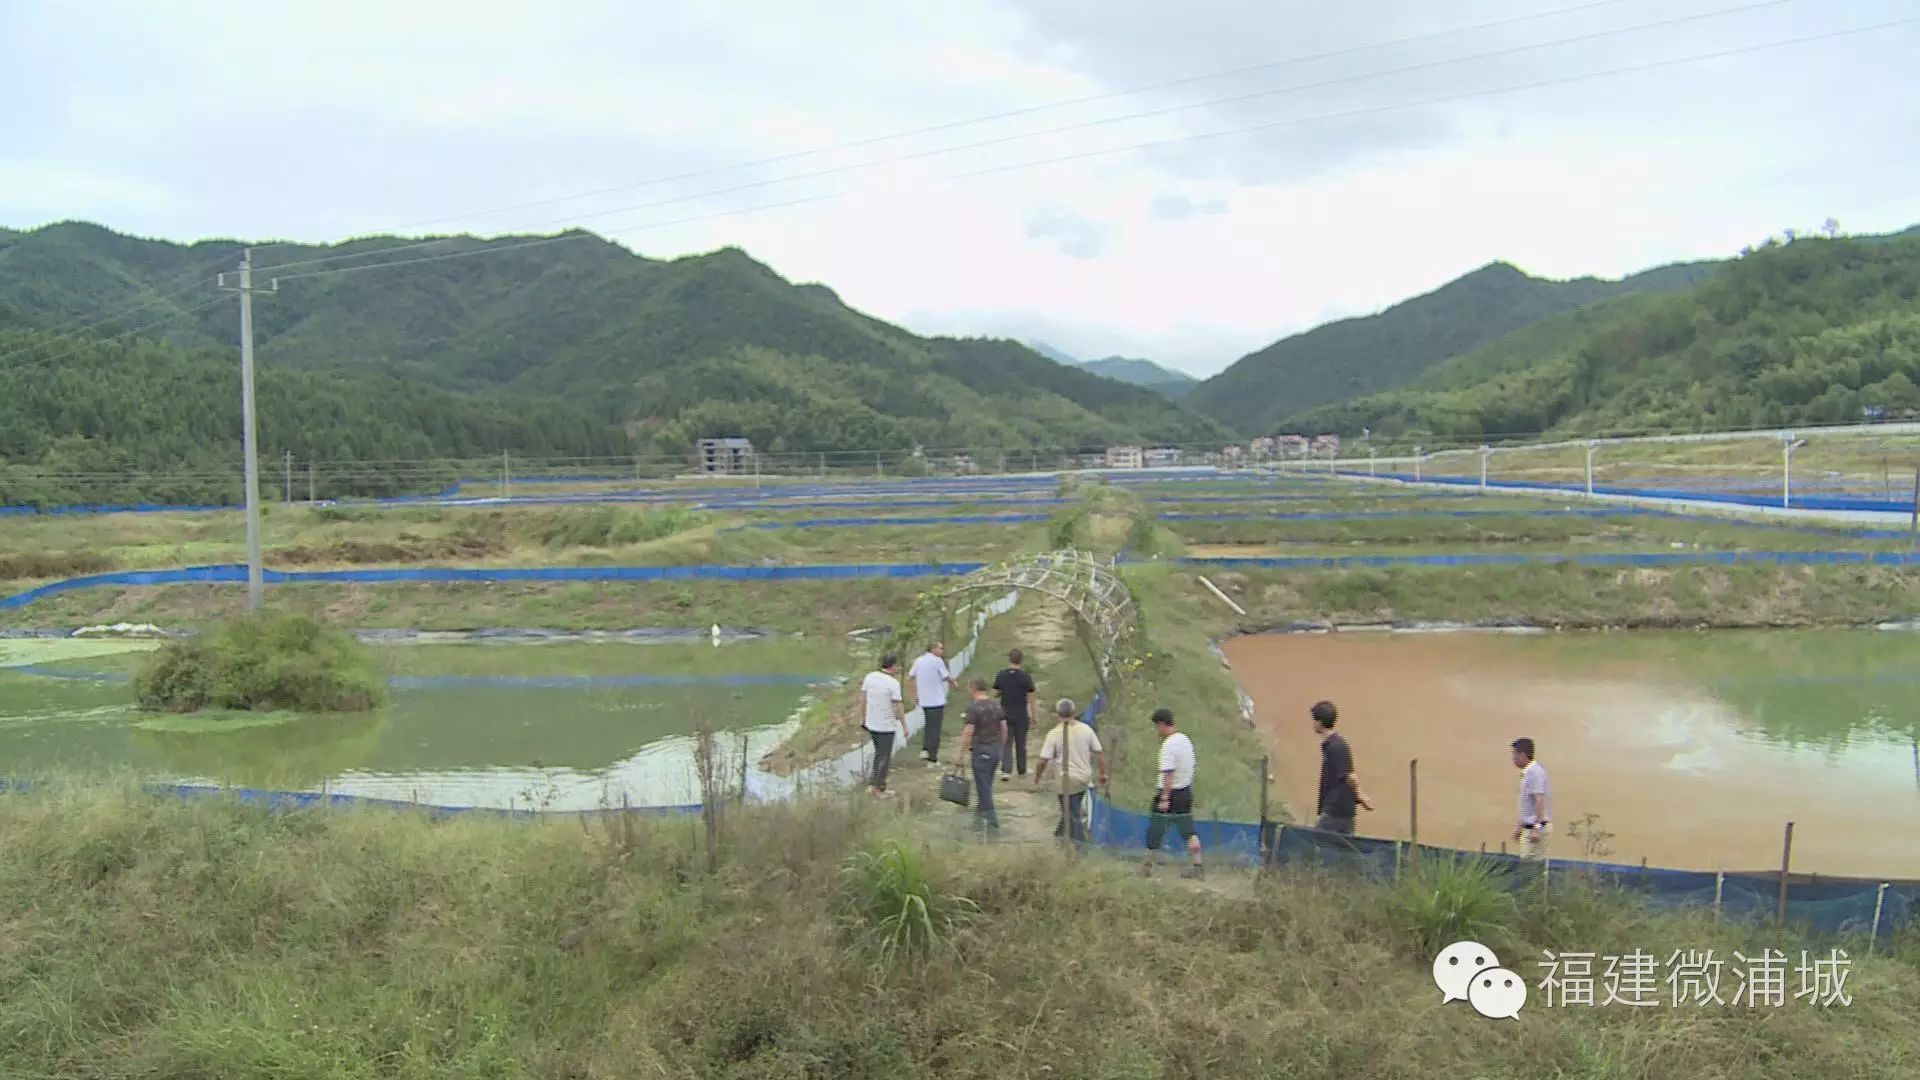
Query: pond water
[(564, 726), (1692, 748)]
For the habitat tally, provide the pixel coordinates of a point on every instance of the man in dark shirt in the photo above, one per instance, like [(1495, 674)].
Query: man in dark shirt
[(983, 741), (1015, 687), (1339, 787)]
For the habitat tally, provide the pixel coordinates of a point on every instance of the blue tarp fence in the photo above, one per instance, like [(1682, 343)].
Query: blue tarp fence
[(1621, 559), (309, 800), (232, 573), (1833, 905), (1803, 502)]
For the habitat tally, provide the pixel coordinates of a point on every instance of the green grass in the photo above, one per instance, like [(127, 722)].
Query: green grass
[(895, 908), (1580, 596), (169, 939), (810, 607)]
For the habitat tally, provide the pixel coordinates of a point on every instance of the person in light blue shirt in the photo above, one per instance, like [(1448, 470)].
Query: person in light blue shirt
[(931, 680)]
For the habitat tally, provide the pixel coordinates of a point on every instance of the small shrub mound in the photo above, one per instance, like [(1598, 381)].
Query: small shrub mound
[(267, 661)]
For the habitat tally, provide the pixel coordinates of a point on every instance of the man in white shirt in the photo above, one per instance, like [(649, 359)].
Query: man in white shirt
[(1534, 821), (931, 681), (1173, 799), (1076, 749), (883, 715)]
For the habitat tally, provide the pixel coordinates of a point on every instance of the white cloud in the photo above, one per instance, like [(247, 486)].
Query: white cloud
[(332, 120), (1075, 236)]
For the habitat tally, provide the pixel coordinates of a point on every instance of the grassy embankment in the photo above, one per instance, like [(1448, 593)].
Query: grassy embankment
[(40, 549), (159, 938)]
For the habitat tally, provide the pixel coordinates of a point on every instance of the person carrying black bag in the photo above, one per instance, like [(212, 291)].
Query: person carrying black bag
[(983, 743)]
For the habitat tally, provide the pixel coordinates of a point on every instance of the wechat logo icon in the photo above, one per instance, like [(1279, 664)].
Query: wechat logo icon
[(1469, 971)]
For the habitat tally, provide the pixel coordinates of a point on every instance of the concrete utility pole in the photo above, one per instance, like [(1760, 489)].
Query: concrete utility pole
[(1788, 445), (255, 582), (289, 499)]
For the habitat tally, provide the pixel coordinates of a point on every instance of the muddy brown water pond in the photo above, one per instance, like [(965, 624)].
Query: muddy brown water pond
[(1693, 749)]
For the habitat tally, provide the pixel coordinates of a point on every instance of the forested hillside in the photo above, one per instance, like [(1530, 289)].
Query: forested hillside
[(584, 339), (1811, 332), (1263, 391), (138, 421)]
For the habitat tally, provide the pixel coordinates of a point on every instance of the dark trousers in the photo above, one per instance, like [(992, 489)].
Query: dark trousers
[(985, 764), (930, 738), (1074, 814), (882, 758), (1329, 823), (1016, 755), (1179, 814)]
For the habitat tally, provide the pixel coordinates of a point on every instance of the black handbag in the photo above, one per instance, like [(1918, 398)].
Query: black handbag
[(955, 789)]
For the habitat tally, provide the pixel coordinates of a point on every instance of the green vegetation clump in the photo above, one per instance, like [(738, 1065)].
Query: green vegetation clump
[(1442, 899), (896, 908), (262, 662)]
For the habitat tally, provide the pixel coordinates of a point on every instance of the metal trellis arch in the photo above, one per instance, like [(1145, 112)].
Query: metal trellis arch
[(1089, 585)]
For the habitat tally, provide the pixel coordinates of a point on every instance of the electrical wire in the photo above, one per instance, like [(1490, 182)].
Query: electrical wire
[(1133, 147), (1001, 140), (162, 321), (53, 335), (1004, 115)]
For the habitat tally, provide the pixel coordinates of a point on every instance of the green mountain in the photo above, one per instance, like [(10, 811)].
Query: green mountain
[(1163, 381), (1263, 391), (1811, 332), (571, 333)]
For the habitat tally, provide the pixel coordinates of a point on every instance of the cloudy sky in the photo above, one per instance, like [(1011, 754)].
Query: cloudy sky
[(1182, 182)]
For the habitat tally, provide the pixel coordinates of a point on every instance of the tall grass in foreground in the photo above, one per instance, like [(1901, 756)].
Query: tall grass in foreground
[(155, 937), (1441, 900), (896, 908)]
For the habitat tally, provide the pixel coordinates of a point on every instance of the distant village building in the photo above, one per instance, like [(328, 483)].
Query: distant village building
[(1124, 457), (1291, 446), (723, 457), (1231, 454), (1260, 449), (1161, 457), (1326, 446)]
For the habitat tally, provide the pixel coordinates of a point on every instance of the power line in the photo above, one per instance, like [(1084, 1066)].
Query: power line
[(1002, 140), (1005, 115), (1151, 144), (162, 321), (53, 335)]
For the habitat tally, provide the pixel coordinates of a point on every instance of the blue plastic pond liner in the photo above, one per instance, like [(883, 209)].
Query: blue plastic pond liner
[(497, 682), (891, 522), (1621, 559), (235, 573), (1803, 502)]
